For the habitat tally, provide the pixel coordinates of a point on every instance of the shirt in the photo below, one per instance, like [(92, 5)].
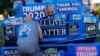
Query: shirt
[(28, 37)]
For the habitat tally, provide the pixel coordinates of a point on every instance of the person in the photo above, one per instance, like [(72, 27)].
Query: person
[(49, 10), (28, 37), (5, 14)]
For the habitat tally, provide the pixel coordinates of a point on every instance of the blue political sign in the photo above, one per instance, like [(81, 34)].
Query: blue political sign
[(9, 51)]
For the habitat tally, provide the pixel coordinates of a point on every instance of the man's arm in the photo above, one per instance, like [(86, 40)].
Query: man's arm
[(40, 32)]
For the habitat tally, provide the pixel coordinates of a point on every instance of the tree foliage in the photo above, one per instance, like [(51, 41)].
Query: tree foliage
[(6, 5)]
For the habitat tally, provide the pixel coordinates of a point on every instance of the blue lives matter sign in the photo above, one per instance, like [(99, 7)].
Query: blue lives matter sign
[(52, 18)]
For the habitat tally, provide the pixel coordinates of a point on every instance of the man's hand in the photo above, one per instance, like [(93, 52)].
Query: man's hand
[(40, 33)]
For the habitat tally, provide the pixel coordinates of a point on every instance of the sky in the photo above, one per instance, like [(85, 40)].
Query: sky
[(1, 17), (95, 1)]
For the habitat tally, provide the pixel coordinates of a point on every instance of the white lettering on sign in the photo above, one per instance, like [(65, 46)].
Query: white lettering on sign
[(10, 52), (54, 32), (67, 6), (52, 22), (86, 51), (51, 52), (33, 8), (36, 12), (36, 15)]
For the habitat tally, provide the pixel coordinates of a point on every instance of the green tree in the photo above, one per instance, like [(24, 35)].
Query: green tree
[(97, 9), (1, 36), (6, 5)]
